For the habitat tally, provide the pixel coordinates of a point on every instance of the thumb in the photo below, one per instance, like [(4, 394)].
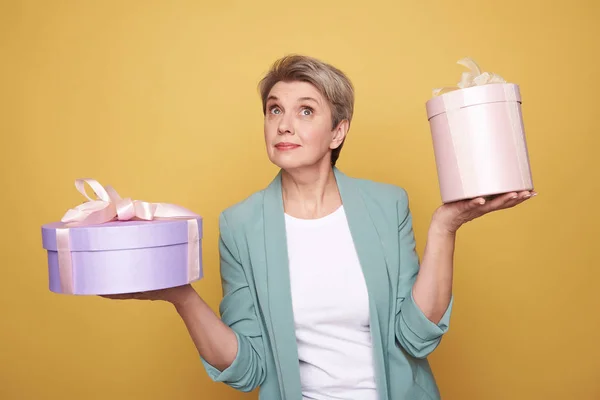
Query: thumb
[(476, 202)]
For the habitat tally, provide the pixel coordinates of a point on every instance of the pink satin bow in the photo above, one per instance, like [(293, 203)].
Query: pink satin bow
[(110, 206)]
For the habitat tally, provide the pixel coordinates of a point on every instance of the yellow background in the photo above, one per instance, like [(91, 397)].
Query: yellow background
[(159, 99)]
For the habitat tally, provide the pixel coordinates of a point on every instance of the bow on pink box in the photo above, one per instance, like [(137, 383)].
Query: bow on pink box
[(110, 206)]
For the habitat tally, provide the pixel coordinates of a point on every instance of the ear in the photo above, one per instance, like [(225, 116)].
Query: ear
[(339, 134)]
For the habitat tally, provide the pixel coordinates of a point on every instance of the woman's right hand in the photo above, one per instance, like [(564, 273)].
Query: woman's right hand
[(177, 296)]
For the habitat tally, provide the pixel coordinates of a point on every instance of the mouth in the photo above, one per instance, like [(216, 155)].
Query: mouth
[(286, 146)]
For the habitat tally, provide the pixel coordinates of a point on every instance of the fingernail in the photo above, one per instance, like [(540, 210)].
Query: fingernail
[(514, 197)]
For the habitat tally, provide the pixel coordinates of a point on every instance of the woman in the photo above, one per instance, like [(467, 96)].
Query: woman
[(324, 297)]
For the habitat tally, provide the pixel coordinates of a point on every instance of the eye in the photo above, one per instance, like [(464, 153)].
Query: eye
[(306, 111), (274, 110)]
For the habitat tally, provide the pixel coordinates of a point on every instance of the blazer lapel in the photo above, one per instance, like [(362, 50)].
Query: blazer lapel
[(279, 292), (371, 256)]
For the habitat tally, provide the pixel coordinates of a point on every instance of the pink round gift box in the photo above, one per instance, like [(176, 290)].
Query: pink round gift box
[(479, 142)]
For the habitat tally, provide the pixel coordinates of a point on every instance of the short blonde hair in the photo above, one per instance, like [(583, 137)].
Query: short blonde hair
[(332, 83)]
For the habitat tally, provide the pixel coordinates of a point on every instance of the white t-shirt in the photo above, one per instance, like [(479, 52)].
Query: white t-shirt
[(331, 309)]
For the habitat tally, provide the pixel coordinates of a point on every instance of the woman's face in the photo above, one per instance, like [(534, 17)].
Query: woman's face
[(297, 126)]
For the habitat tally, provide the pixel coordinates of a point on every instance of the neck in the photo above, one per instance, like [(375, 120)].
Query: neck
[(310, 192)]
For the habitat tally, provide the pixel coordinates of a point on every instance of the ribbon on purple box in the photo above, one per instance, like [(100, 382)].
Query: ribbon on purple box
[(108, 207)]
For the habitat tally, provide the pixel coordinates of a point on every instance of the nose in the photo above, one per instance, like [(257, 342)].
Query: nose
[(286, 125)]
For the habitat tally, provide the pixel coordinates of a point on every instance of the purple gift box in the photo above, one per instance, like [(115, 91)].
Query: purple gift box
[(113, 245)]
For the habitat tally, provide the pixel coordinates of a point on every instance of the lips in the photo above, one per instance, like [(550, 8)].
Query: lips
[(286, 146)]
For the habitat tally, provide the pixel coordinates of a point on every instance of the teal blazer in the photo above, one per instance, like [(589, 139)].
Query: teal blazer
[(257, 301)]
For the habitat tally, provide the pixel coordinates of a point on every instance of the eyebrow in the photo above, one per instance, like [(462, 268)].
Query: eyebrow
[(308, 99), (275, 98)]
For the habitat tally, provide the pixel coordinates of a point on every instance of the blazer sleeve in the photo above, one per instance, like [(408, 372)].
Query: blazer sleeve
[(237, 310), (414, 331)]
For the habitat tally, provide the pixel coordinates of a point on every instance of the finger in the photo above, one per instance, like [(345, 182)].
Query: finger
[(500, 201), (120, 296), (112, 296), (511, 203), (479, 205), (524, 196), (517, 199), (521, 197), (476, 202)]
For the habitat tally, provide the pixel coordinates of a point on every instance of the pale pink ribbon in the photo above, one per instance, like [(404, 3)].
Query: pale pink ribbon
[(109, 206), (474, 77)]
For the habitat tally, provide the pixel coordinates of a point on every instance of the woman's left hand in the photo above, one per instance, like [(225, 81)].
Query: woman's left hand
[(452, 216)]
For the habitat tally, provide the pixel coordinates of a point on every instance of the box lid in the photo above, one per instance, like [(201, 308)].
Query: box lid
[(461, 98), (121, 235)]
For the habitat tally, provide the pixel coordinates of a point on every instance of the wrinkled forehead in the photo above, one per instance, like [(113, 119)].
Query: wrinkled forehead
[(294, 92)]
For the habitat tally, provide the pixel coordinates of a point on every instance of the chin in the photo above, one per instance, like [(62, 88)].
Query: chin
[(292, 163), (289, 164)]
